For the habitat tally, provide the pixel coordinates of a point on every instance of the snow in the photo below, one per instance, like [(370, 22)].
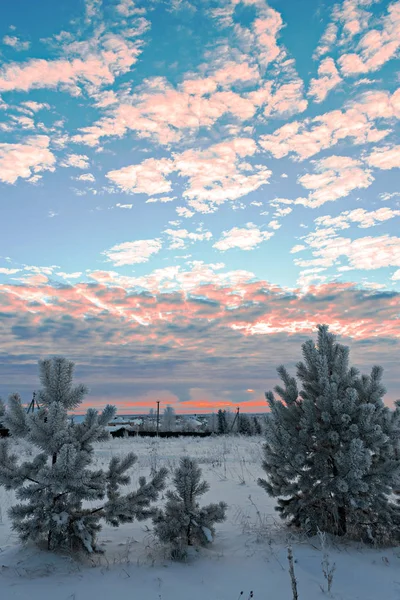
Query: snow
[(248, 554)]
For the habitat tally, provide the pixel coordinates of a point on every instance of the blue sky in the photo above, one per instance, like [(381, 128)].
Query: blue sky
[(188, 188)]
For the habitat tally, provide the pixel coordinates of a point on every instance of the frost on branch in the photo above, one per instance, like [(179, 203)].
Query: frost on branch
[(332, 449), (183, 522), (53, 486)]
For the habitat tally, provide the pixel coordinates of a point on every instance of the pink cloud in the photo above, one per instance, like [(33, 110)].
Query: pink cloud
[(284, 99), (367, 253), (147, 177), (115, 57), (357, 122), (327, 40), (328, 78), (214, 175), (130, 253), (26, 159), (266, 30), (336, 177), (245, 238), (235, 303), (375, 47), (362, 217), (387, 157), (161, 112), (219, 173), (234, 72)]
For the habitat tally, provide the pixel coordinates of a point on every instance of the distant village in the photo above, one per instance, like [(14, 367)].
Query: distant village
[(169, 423)]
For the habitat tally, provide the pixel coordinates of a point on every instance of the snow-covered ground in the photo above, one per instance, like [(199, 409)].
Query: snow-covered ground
[(249, 553)]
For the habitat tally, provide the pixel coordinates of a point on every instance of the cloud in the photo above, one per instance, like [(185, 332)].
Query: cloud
[(85, 177), (297, 248), (245, 238), (15, 42), (26, 159), (180, 237), (23, 121), (74, 275), (162, 199), (80, 161), (278, 99), (366, 253), (358, 121), (386, 157), (327, 40), (164, 114), (127, 8), (214, 175), (336, 177), (274, 224), (7, 271), (147, 177), (328, 78), (34, 107), (220, 173), (114, 57), (360, 216), (261, 35), (167, 115), (130, 253), (126, 206), (376, 46), (107, 325), (353, 17)]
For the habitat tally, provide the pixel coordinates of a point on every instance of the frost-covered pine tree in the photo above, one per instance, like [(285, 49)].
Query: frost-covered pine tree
[(2, 410), (169, 419), (244, 425), (256, 425), (332, 449), (183, 522), (53, 486), (212, 423)]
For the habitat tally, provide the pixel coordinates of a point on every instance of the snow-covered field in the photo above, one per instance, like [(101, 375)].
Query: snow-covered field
[(249, 553)]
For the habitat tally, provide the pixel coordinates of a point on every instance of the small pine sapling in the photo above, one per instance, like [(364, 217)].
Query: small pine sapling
[(53, 485), (183, 522)]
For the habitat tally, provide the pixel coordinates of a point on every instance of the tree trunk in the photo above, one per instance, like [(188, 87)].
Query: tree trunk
[(342, 524), (342, 520)]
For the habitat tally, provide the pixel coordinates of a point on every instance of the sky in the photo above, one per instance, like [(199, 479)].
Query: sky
[(188, 187)]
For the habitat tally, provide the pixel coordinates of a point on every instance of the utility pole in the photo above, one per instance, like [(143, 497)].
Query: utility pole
[(31, 406), (158, 416), (236, 418)]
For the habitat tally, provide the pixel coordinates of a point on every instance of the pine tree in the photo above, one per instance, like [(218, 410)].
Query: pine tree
[(331, 451), (222, 423), (256, 425), (52, 486), (183, 522), (2, 408), (244, 425)]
